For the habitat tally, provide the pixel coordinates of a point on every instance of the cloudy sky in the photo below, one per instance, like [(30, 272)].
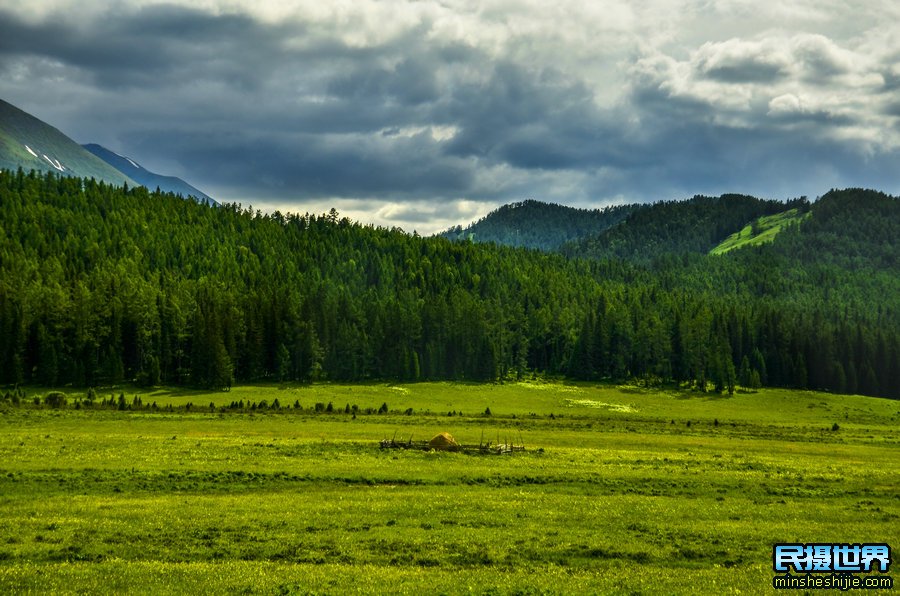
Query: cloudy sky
[(423, 114)]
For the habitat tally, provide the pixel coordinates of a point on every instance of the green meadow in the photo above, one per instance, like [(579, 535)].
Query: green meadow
[(621, 489)]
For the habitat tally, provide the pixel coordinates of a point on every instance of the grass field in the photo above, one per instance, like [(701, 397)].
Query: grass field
[(621, 490)]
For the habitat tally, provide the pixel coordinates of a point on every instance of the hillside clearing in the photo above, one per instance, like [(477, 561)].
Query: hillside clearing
[(761, 231)]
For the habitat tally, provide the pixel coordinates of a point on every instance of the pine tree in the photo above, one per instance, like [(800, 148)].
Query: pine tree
[(745, 372), (283, 359)]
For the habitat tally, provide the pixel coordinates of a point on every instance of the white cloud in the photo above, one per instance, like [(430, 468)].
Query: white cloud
[(426, 217), (785, 104), (739, 60), (785, 77)]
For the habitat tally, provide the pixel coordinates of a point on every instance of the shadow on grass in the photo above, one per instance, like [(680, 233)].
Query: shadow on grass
[(179, 391)]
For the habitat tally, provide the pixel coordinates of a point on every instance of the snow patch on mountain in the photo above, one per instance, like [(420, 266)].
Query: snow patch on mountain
[(128, 159), (54, 162)]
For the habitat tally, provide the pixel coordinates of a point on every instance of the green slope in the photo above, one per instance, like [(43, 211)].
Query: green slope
[(30, 144), (694, 226), (760, 231)]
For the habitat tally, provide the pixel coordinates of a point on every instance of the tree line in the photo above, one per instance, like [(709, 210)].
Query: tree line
[(101, 284)]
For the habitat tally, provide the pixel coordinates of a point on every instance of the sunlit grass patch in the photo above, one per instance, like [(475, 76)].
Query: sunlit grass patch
[(589, 403)]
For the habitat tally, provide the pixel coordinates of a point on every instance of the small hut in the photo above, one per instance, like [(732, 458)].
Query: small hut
[(443, 442)]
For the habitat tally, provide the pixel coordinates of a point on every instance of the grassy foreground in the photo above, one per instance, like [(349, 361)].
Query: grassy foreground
[(622, 490)]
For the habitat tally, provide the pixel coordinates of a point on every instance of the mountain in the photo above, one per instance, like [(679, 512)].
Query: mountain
[(544, 226), (145, 177), (29, 143), (855, 229)]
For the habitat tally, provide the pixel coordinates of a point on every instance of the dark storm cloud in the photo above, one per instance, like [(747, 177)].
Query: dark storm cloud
[(502, 112), (411, 82), (158, 45), (294, 108), (231, 130), (325, 97), (308, 166), (531, 119)]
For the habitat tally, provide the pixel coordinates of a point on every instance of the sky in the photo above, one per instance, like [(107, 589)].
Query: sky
[(423, 114)]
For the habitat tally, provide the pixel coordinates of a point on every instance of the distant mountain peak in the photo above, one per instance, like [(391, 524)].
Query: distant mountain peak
[(145, 177), (31, 144), (128, 159)]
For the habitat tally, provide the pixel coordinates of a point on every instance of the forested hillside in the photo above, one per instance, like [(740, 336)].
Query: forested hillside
[(676, 227), (100, 284), (639, 232), (545, 226)]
